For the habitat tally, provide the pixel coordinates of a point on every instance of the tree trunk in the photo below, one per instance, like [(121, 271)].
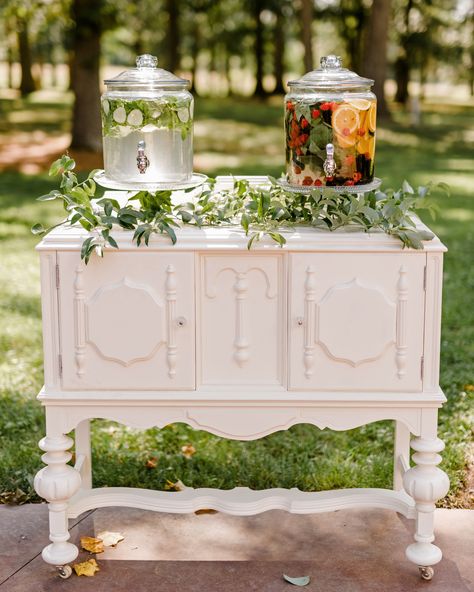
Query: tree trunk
[(307, 14), (258, 47), (402, 78), (375, 52), (86, 125), (173, 39), (279, 49), (27, 84), (9, 66), (195, 46), (402, 65)]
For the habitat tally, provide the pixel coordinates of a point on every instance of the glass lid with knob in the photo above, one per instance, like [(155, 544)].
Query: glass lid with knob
[(330, 122), (147, 126)]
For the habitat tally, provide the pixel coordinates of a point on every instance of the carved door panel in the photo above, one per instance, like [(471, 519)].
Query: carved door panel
[(356, 321), (127, 322), (242, 321)]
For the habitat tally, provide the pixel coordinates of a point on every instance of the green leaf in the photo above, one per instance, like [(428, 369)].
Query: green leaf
[(85, 247), (37, 229), (277, 237), (112, 242), (54, 194), (55, 168), (300, 581), (245, 221), (67, 163)]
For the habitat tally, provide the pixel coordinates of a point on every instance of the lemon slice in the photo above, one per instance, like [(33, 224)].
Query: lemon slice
[(361, 104), (373, 117), (345, 120)]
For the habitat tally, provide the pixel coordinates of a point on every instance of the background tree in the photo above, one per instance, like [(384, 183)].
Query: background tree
[(374, 63), (86, 125), (306, 22)]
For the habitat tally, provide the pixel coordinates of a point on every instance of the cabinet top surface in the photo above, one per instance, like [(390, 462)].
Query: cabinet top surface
[(233, 238)]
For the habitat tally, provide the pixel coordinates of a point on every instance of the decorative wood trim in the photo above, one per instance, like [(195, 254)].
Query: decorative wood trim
[(309, 320), (171, 315), (347, 286), (241, 501), (97, 294), (79, 321), (434, 271), (402, 301), (50, 316), (241, 344), (236, 421)]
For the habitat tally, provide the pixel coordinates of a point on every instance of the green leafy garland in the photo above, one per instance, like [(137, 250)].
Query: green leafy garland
[(260, 212)]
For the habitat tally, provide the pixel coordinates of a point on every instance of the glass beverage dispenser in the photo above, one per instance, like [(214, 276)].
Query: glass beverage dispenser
[(330, 121), (147, 125)]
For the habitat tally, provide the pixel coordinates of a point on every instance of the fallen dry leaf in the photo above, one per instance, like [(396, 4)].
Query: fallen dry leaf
[(87, 568), (177, 486), (205, 511), (469, 388), (151, 463), (92, 544), (188, 450), (110, 539)]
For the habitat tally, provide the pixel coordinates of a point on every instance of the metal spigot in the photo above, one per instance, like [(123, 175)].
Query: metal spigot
[(329, 165), (142, 160)]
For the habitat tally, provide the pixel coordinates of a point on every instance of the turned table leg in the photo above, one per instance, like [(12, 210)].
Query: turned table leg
[(56, 483), (426, 483)]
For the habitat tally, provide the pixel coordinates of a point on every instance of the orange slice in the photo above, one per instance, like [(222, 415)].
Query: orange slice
[(345, 120), (366, 146), (373, 117), (345, 141), (360, 104)]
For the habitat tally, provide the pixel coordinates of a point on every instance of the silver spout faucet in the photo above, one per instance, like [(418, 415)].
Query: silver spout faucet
[(142, 160), (329, 165)]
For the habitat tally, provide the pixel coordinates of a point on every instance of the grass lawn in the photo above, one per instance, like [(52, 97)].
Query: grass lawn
[(240, 137)]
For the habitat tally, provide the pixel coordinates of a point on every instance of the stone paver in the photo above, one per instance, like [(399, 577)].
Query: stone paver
[(353, 551)]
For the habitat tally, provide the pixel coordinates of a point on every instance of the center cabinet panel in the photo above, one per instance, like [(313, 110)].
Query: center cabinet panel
[(356, 321), (242, 320), (127, 322)]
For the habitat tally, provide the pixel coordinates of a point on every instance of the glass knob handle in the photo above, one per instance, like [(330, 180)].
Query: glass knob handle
[(146, 61), (181, 321)]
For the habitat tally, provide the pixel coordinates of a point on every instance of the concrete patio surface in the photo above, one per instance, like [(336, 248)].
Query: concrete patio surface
[(345, 551)]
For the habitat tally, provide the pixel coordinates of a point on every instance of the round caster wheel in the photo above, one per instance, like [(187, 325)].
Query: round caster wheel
[(64, 571), (426, 573)]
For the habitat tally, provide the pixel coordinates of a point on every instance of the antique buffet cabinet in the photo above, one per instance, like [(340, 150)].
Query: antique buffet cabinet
[(334, 329)]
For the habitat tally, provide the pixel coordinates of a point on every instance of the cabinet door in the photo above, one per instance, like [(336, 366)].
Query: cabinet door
[(127, 321), (356, 321), (242, 321)]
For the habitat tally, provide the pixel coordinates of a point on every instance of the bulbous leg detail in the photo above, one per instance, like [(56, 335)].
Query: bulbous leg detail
[(426, 484), (56, 483)]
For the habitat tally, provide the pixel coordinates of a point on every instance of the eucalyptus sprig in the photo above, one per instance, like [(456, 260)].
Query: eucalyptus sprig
[(260, 211)]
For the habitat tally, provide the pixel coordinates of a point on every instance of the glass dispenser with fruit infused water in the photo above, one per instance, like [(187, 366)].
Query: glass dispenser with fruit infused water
[(330, 121), (147, 126)]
